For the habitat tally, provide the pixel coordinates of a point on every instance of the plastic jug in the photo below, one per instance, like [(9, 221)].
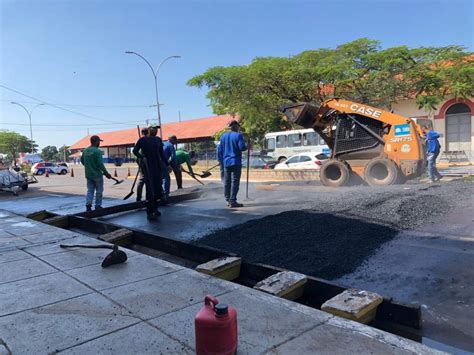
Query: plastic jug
[(216, 328)]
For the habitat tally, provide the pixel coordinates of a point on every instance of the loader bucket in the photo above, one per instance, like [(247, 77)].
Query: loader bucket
[(303, 114)]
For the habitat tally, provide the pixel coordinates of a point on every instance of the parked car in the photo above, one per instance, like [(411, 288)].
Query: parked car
[(260, 162), (40, 169), (303, 161)]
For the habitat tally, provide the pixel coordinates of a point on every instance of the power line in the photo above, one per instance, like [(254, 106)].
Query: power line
[(92, 106), (59, 107), (65, 125)]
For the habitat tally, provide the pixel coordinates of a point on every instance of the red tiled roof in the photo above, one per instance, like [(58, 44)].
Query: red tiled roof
[(200, 128)]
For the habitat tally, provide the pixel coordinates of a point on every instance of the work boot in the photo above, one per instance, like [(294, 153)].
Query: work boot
[(235, 205), (151, 217), (98, 207), (88, 208)]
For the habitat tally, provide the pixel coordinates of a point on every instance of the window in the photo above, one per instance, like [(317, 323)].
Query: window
[(321, 141), (281, 142), (310, 138), (304, 158), (294, 140), (321, 157), (270, 144), (293, 160)]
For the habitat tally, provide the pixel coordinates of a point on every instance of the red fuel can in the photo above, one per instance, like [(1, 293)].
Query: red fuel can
[(216, 328)]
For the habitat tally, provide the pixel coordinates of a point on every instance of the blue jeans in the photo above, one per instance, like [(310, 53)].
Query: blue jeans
[(433, 173), (232, 182), (166, 182), (97, 186)]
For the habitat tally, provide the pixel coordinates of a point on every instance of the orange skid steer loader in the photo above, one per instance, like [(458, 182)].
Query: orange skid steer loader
[(381, 147)]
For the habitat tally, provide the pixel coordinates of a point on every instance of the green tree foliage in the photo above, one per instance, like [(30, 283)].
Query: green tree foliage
[(63, 153), (13, 144), (49, 153), (359, 71)]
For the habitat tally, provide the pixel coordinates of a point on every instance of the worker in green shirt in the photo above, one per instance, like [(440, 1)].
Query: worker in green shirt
[(94, 168), (182, 157)]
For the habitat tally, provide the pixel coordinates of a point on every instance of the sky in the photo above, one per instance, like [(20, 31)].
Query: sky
[(70, 54)]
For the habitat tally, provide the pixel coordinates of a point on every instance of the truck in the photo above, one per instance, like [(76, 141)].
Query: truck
[(378, 146)]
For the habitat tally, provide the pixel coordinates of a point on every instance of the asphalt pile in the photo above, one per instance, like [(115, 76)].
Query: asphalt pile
[(334, 235)]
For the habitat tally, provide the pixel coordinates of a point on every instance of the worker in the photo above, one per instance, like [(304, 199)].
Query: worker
[(141, 181), (170, 156), (94, 170), (432, 152), (229, 154), (150, 150), (182, 157)]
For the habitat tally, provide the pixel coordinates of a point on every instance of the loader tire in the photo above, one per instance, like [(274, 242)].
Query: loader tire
[(381, 172), (335, 173)]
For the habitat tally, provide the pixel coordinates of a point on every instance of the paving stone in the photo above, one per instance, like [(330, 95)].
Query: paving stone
[(263, 320), (5, 214), (53, 246), (23, 269), (62, 325), (50, 235), (12, 255), (22, 227), (138, 268), (38, 291), (159, 295), (10, 242), (339, 336), (138, 339)]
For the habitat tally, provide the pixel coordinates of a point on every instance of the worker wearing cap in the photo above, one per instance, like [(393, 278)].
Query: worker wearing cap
[(150, 150), (229, 154), (141, 182), (94, 169), (170, 156)]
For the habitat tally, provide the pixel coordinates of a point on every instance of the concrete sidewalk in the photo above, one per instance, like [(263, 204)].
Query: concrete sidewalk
[(56, 300)]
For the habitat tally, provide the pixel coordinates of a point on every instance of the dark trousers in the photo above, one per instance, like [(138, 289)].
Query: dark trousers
[(153, 191), (178, 175), (232, 182)]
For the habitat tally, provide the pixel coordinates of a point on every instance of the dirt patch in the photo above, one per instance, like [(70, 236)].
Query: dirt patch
[(317, 244)]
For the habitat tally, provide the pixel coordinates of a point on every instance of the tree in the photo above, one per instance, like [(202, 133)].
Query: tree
[(63, 153), (13, 143), (49, 153), (359, 71)]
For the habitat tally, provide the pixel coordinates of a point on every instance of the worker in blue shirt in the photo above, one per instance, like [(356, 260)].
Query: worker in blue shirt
[(170, 156), (432, 152), (229, 154)]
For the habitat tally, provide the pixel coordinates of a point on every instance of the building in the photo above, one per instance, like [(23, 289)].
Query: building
[(452, 120), (118, 144)]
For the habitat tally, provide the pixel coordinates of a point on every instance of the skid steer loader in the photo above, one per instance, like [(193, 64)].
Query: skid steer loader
[(380, 147)]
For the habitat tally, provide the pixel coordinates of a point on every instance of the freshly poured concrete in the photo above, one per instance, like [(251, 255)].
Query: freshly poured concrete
[(61, 300)]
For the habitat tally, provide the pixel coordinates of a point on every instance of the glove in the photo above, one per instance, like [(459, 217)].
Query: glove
[(108, 176)]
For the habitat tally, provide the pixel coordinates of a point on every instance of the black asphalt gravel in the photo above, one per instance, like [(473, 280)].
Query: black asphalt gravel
[(332, 236)]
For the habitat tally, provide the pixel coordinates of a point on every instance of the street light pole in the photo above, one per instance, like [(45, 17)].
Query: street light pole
[(29, 115), (155, 76)]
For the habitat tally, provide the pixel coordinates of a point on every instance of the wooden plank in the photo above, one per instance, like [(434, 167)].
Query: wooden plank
[(226, 268), (41, 215), (120, 236), (285, 284), (58, 221)]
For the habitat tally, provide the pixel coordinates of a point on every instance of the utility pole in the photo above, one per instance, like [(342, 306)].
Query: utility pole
[(179, 115)]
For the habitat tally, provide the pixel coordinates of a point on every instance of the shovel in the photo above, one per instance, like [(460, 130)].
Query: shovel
[(195, 178), (133, 185), (115, 257), (207, 173)]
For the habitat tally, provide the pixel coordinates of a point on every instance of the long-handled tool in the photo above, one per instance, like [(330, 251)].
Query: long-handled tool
[(117, 256), (207, 173), (133, 185), (116, 181), (195, 178)]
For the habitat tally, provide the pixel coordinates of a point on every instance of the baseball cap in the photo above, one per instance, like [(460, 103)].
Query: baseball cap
[(233, 123), (96, 139), (153, 125)]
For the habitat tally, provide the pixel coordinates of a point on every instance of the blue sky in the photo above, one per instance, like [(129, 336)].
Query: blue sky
[(71, 53)]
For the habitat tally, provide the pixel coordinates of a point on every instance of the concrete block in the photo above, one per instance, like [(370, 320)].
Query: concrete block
[(226, 268), (135, 269), (354, 304), (38, 291), (64, 324), (52, 247), (285, 284), (10, 242), (12, 255), (51, 234), (121, 236), (264, 321), (159, 295), (23, 269), (138, 339), (340, 336), (58, 221)]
